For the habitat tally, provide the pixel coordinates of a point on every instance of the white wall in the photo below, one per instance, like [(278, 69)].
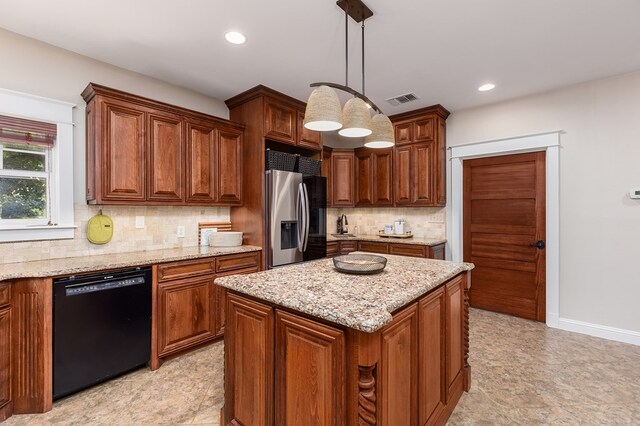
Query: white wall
[(599, 163), (31, 66)]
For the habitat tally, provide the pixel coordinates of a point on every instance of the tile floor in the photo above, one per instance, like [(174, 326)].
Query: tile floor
[(522, 374)]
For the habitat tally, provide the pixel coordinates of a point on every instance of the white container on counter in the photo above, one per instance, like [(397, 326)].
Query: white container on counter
[(398, 227), (225, 239), (388, 229)]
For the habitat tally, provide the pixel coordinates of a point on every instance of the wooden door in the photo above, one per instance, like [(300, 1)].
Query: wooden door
[(249, 362), (402, 166), (422, 174), (364, 177), (383, 177), (504, 217), (398, 378), (123, 151), (186, 312), (309, 372), (308, 138), (201, 163), (342, 178), (280, 122), (5, 357), (431, 350), (166, 158), (229, 166)]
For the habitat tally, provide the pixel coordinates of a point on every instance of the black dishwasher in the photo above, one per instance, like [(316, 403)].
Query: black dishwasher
[(101, 327)]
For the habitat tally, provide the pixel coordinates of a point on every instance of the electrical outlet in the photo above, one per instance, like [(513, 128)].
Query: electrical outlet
[(180, 232), (140, 222)]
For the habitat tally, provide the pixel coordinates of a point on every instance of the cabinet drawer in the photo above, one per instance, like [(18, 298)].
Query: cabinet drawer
[(186, 269), (332, 249), (408, 250), (347, 247), (373, 247), (5, 294), (238, 261)]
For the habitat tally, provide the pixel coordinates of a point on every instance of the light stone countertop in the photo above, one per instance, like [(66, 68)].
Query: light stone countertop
[(423, 241), (361, 302), (77, 265)]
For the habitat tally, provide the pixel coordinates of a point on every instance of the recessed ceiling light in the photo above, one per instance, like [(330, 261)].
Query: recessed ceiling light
[(485, 87), (235, 37)]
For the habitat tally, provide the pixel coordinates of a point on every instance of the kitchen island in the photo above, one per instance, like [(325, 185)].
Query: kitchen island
[(305, 344)]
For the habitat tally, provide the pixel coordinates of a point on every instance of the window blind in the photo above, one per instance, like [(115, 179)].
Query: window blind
[(29, 132)]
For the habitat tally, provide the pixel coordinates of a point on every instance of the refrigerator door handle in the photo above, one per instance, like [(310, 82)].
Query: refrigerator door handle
[(307, 218), (300, 226)]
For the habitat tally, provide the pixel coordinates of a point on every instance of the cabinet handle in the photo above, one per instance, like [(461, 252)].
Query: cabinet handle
[(538, 244)]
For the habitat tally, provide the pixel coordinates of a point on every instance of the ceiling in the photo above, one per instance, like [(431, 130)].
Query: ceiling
[(441, 50)]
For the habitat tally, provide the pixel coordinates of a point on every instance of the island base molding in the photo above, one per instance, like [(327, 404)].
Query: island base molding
[(286, 368)]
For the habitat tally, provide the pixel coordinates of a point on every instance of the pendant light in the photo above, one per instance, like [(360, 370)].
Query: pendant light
[(323, 107)]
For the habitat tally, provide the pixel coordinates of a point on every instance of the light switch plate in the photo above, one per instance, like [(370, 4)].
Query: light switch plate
[(139, 222), (180, 231)]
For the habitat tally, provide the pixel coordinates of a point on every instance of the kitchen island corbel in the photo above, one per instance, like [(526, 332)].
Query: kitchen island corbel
[(308, 345)]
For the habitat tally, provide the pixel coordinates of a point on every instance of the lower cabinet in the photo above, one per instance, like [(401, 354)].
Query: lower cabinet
[(5, 357), (190, 308), (285, 368)]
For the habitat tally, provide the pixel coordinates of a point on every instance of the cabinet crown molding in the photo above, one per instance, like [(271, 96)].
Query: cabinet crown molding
[(437, 109), (263, 91)]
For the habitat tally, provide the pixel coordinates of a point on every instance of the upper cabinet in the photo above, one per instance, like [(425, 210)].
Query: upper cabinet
[(280, 121), (343, 179), (374, 177), (141, 151), (419, 163)]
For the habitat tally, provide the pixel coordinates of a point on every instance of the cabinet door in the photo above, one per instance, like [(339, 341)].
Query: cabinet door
[(455, 332), (309, 372), (332, 249), (123, 152), (229, 166), (412, 250), (431, 350), (342, 178), (186, 311), (403, 133), (347, 247), (402, 166), (364, 177), (399, 384), (308, 138), (248, 362), (201, 163), (383, 178), (422, 174), (221, 298), (424, 130), (280, 122), (166, 158), (5, 357)]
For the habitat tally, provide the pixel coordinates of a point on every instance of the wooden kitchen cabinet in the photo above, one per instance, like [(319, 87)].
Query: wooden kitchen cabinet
[(400, 249), (145, 152), (280, 121), (373, 247), (190, 308), (333, 249), (166, 157), (455, 334), (374, 177), (313, 384), (342, 178), (5, 351), (413, 175), (308, 138)]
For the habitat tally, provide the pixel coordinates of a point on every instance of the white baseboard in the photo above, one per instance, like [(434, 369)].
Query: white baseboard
[(552, 320), (606, 332)]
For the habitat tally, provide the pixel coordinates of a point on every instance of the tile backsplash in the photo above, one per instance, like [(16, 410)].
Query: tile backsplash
[(421, 221), (159, 232)]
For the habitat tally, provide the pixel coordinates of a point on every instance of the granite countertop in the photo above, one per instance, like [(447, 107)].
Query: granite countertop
[(361, 302), (76, 265), (423, 241)]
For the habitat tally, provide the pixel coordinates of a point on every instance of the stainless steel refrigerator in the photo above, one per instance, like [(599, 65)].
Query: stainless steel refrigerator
[(296, 218)]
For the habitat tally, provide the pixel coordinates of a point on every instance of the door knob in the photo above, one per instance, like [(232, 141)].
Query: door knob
[(538, 244)]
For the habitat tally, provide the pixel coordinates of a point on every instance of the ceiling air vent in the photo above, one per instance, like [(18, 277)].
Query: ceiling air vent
[(402, 99)]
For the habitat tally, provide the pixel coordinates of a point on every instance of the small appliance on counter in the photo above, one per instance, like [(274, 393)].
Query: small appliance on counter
[(398, 227), (343, 223)]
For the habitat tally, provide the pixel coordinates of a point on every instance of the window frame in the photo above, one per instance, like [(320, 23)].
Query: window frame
[(60, 178)]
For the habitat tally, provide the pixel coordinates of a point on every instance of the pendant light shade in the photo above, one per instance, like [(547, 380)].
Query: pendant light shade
[(323, 112), (382, 135), (356, 119)]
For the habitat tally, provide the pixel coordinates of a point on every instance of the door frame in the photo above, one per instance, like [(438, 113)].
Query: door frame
[(548, 142)]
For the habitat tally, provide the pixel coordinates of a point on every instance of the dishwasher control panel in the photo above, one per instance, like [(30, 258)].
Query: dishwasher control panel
[(93, 287)]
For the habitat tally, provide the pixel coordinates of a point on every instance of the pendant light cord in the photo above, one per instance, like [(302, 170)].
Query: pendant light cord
[(363, 56), (346, 46)]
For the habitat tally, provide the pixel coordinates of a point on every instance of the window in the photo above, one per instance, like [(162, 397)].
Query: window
[(36, 168)]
